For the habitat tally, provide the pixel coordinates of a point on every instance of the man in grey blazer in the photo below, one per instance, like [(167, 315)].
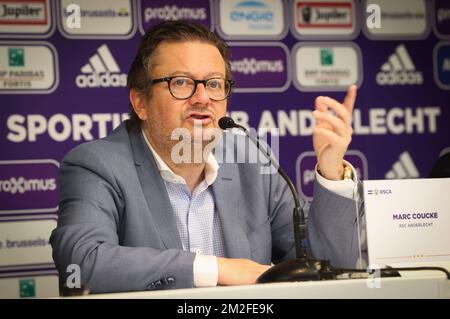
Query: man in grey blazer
[(134, 217)]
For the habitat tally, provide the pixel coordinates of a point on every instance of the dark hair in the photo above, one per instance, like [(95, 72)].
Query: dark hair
[(168, 31)]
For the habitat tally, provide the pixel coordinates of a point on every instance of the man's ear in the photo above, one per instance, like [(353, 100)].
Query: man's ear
[(139, 104)]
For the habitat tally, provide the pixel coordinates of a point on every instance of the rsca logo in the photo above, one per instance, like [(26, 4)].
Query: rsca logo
[(101, 71), (253, 66), (403, 168), (377, 192), (399, 70), (251, 11), (22, 185)]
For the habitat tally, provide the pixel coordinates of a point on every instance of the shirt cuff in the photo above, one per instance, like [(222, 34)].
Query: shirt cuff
[(206, 271), (345, 188)]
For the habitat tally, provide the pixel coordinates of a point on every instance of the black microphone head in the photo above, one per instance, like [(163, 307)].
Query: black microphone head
[(226, 123)]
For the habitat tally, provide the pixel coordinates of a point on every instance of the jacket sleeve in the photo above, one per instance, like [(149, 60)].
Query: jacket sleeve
[(90, 207), (333, 228)]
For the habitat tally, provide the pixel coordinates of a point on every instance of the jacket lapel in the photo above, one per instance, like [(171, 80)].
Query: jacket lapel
[(227, 194), (154, 190)]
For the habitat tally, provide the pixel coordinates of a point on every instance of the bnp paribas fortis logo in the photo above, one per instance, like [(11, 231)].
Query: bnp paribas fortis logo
[(27, 288), (326, 57), (16, 57)]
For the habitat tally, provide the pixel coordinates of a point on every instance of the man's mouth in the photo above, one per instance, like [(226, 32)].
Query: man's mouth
[(199, 116)]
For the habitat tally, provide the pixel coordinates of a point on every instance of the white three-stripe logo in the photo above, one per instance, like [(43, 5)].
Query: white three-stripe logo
[(398, 61), (101, 62), (403, 168)]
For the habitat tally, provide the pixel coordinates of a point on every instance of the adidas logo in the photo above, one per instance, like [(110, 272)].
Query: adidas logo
[(399, 69), (403, 168), (101, 71)]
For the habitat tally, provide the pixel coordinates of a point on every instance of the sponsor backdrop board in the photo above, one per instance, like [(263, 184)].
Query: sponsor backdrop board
[(63, 67), (34, 284)]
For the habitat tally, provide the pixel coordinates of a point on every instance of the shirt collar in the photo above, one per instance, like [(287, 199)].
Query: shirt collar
[(211, 167)]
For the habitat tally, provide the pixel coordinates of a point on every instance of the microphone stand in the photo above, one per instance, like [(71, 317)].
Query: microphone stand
[(304, 267)]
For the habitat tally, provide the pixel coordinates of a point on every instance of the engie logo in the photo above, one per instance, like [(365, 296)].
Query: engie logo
[(245, 18), (28, 186), (101, 71), (399, 69), (251, 11)]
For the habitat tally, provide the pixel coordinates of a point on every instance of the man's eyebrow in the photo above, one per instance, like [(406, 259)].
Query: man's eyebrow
[(188, 74)]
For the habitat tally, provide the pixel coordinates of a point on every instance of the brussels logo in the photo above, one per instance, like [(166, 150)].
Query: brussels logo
[(101, 71), (399, 70), (251, 11)]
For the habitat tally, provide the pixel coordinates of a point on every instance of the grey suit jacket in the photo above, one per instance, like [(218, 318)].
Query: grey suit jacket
[(116, 221)]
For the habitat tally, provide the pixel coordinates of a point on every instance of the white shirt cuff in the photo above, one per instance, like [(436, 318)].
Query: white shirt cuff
[(206, 271), (345, 188)]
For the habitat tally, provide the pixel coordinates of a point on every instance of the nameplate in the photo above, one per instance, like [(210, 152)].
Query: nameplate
[(407, 220)]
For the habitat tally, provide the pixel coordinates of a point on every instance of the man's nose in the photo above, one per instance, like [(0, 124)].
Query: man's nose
[(200, 94)]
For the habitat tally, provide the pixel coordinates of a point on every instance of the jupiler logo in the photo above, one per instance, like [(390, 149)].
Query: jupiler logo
[(22, 11), (21, 185), (399, 70), (254, 66), (175, 13), (101, 71)]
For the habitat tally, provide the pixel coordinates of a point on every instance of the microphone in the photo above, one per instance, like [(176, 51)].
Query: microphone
[(304, 267)]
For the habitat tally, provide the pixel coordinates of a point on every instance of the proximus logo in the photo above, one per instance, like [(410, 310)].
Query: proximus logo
[(175, 13), (22, 185), (253, 66)]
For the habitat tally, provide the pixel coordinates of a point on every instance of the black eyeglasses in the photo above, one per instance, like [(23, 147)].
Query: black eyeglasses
[(182, 87)]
